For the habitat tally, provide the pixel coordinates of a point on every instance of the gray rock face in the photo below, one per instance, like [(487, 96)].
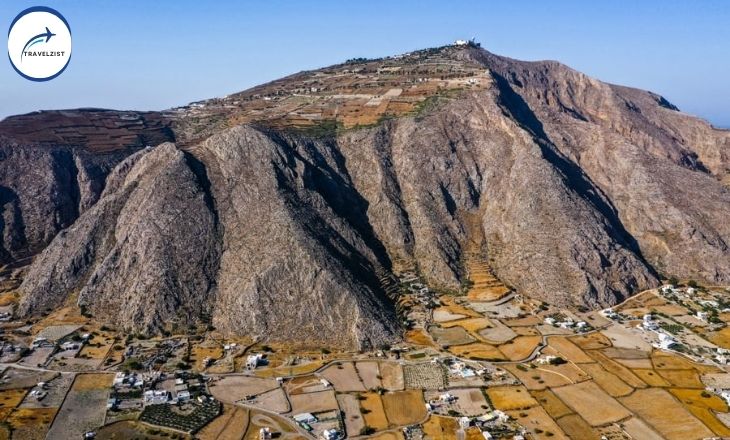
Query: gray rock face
[(580, 193), (43, 190), (142, 257)]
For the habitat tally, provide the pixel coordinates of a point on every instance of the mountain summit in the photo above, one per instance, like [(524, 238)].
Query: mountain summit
[(281, 212)]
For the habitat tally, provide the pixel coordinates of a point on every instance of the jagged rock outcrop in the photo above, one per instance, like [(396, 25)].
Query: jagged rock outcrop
[(143, 257), (43, 190), (581, 192)]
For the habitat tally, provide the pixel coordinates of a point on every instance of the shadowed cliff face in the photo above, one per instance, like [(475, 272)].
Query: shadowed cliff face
[(581, 193)]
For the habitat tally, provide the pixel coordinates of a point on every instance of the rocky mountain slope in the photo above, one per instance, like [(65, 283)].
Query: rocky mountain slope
[(277, 210)]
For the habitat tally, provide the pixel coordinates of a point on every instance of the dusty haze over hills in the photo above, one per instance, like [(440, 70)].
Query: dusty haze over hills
[(281, 211)]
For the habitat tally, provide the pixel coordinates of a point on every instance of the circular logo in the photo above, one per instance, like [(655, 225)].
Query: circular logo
[(39, 43)]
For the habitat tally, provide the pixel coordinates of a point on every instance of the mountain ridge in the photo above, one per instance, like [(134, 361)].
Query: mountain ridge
[(303, 190)]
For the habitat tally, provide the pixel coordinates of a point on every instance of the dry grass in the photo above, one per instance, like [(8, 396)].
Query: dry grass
[(12, 398), (535, 379), (703, 405), (472, 325), (575, 427), (440, 428), (552, 404), (682, 378), (293, 370), (618, 370), (372, 410), (591, 341), (527, 321), (199, 352), (539, 423), (38, 419), (419, 337), (569, 350), (230, 425), (478, 351), (610, 383), (313, 402), (86, 382), (392, 376), (592, 403), (404, 407), (665, 414), (720, 338), (651, 377), (511, 397), (343, 377), (520, 348)]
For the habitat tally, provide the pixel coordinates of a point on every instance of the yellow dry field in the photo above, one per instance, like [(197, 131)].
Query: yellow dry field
[(98, 347), (450, 305), (682, 378), (575, 427), (230, 425), (86, 382), (651, 377), (511, 397), (390, 435), (12, 398), (703, 405), (665, 414), (537, 379), (64, 315), (669, 361), (404, 407), (419, 336), (591, 341), (720, 338), (526, 331), (537, 421), (472, 325), (520, 347), (373, 412), (609, 382), (199, 352), (4, 413), (36, 418), (618, 370), (592, 403), (644, 299), (488, 293), (293, 370), (551, 403), (441, 428), (478, 351), (527, 321), (569, 350)]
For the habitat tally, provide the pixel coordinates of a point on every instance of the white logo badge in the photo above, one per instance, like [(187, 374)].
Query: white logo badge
[(39, 43)]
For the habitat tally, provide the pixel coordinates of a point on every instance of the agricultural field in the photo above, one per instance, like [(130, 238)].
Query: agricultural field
[(343, 376), (665, 414), (404, 407), (371, 407), (592, 403), (84, 408), (313, 402), (230, 389), (231, 424)]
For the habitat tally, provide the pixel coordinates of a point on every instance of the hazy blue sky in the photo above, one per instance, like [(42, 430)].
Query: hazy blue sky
[(158, 54)]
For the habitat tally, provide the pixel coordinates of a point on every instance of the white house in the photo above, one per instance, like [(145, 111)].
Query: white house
[(305, 418)]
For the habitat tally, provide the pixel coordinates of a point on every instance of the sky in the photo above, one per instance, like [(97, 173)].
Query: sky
[(152, 55)]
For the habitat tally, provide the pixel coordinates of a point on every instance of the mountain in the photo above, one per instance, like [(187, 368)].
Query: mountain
[(281, 212)]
